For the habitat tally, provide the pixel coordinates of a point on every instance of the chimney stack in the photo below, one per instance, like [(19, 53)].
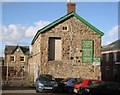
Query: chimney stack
[(71, 7)]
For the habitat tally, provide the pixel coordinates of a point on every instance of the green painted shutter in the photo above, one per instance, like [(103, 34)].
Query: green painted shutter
[(87, 51)]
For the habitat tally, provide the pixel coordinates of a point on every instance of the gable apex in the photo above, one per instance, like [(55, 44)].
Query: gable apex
[(9, 49), (44, 29)]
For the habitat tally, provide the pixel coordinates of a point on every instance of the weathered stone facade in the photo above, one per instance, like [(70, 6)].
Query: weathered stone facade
[(71, 64), (20, 55), (16, 61)]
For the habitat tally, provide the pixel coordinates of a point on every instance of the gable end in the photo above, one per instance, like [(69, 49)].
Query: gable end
[(63, 19)]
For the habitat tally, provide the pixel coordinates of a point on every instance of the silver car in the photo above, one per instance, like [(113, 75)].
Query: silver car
[(45, 82)]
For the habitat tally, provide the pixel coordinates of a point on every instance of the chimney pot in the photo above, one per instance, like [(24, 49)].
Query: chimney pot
[(71, 7)]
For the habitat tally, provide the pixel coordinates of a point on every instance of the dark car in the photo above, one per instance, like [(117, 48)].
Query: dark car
[(69, 84), (101, 88), (45, 82)]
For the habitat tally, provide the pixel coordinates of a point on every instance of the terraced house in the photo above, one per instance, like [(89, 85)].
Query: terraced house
[(111, 61), (68, 47)]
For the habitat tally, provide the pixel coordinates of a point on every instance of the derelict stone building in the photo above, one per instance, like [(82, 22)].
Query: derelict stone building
[(68, 47)]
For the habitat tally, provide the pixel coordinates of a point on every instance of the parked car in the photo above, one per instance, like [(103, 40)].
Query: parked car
[(45, 82), (86, 82), (69, 84), (101, 88)]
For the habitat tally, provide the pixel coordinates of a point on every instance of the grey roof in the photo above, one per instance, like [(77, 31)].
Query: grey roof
[(11, 49), (113, 46)]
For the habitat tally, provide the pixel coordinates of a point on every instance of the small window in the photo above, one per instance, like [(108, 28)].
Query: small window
[(12, 58), (107, 71), (107, 57), (65, 28), (22, 59), (115, 56)]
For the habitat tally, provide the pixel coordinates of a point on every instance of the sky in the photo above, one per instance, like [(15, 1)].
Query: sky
[(21, 20)]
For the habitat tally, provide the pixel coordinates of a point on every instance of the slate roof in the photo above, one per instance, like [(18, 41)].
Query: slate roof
[(11, 49), (67, 16), (113, 46)]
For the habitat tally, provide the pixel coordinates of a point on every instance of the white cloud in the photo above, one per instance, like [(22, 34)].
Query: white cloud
[(31, 31), (114, 32), (41, 24), (112, 35), (13, 34)]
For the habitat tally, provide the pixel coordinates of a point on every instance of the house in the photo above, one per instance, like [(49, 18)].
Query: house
[(1, 61), (67, 47), (16, 58), (111, 61), (1, 65)]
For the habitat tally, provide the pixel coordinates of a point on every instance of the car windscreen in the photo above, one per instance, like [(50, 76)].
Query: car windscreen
[(95, 84), (78, 80), (65, 80), (46, 78)]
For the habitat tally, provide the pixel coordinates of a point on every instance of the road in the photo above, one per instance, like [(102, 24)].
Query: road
[(28, 91)]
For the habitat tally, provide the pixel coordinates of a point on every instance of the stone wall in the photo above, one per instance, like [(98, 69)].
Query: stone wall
[(71, 64), (17, 59)]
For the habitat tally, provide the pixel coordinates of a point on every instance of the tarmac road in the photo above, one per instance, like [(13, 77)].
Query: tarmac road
[(27, 91)]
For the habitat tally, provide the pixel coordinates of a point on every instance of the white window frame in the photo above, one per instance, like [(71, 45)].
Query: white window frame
[(64, 27), (10, 58), (23, 60)]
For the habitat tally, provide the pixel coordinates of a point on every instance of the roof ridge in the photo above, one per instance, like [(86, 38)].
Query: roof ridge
[(64, 18)]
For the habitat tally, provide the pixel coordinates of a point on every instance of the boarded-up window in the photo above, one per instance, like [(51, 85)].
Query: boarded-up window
[(87, 51), (54, 48)]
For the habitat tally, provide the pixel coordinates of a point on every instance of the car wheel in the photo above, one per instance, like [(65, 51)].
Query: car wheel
[(37, 91)]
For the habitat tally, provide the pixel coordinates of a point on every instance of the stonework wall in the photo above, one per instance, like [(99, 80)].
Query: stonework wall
[(16, 61), (71, 64), (17, 64)]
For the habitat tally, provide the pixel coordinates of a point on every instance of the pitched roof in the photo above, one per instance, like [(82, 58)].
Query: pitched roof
[(63, 19), (11, 49), (113, 46)]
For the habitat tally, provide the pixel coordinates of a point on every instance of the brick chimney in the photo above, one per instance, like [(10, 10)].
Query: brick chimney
[(71, 7)]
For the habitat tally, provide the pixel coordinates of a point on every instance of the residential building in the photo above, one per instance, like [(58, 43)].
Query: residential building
[(67, 47), (1, 61), (111, 61), (16, 58), (1, 65)]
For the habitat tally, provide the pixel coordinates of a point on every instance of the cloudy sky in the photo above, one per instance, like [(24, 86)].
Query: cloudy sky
[(21, 20)]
